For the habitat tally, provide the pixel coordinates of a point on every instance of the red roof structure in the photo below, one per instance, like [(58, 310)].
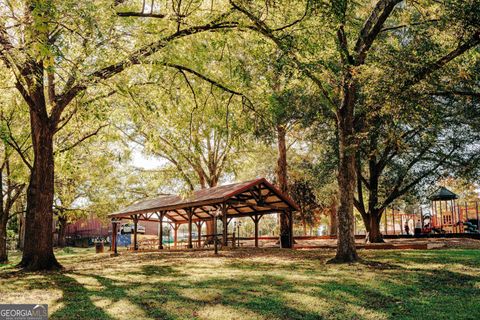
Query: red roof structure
[(245, 199), (242, 199)]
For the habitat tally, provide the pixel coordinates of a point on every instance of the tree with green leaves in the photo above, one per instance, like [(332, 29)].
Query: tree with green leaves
[(304, 195), (13, 172), (61, 52), (412, 150), (197, 128), (339, 46)]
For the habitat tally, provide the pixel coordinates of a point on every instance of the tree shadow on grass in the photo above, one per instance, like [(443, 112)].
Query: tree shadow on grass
[(259, 295), (423, 294), (76, 300), (168, 291), (158, 271)]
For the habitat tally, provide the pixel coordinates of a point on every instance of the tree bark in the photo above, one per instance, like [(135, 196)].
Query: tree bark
[(21, 229), (209, 225), (346, 250), (372, 214), (333, 226), (62, 231), (373, 229), (38, 246), (286, 240), (3, 224), (3, 239)]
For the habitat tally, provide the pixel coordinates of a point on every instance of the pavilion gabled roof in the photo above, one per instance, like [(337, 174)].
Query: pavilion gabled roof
[(443, 194), (242, 199)]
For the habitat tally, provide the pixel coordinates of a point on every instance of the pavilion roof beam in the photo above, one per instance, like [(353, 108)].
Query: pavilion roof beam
[(180, 214), (265, 205), (205, 211)]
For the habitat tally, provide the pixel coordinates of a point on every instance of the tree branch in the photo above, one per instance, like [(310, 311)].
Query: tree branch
[(409, 25), (135, 58), (473, 41), (94, 133), (456, 93), (372, 27), (141, 14), (263, 29), (13, 143)]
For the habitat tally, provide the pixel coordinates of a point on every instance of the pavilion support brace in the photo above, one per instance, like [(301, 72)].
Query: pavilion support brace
[(114, 237), (190, 215), (256, 219), (225, 224), (135, 240), (160, 230)]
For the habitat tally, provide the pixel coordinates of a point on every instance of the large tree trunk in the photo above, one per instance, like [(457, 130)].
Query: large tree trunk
[(346, 250), (333, 226), (373, 229), (210, 225), (38, 246), (21, 229), (3, 225), (3, 239), (286, 240), (62, 231)]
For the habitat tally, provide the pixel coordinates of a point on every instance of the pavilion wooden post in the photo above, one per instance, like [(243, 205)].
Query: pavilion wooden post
[(215, 240), (225, 224), (256, 219), (431, 215), (135, 225), (441, 216), (190, 216), (292, 240), (454, 220), (114, 237), (160, 231)]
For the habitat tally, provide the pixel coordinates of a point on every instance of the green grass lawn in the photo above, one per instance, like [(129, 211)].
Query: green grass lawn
[(253, 284)]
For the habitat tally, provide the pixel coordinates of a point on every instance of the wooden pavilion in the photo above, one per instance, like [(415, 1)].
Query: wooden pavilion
[(245, 199)]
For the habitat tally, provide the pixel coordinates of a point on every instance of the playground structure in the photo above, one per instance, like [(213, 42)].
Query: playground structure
[(445, 215)]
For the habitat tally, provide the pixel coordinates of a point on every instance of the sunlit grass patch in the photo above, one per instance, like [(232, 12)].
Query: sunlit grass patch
[(253, 284)]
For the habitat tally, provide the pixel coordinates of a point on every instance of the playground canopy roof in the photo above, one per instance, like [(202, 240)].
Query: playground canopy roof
[(238, 200), (443, 194)]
